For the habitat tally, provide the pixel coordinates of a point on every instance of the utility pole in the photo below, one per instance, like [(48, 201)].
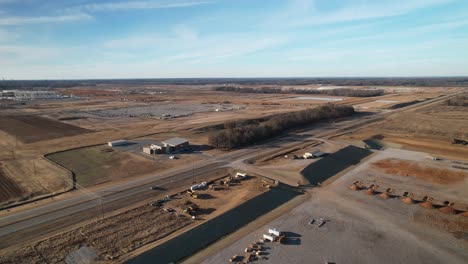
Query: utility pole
[(34, 168), (193, 172)]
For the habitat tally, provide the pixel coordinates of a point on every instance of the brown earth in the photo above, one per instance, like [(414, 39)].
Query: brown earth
[(426, 173), (430, 129), (8, 188), (35, 177), (118, 235), (44, 132), (98, 164), (30, 128), (110, 237)]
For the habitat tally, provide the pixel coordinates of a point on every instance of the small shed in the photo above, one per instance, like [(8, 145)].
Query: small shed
[(117, 143), (147, 150)]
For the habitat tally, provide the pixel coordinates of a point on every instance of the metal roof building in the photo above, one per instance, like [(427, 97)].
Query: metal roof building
[(174, 142), (117, 143)]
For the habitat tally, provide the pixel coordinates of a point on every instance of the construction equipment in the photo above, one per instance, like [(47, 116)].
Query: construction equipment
[(249, 257), (320, 222), (240, 175), (213, 187), (427, 199), (281, 239), (269, 237), (317, 223), (274, 231), (198, 186)]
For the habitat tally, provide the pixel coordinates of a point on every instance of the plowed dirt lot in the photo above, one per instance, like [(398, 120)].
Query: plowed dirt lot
[(8, 188), (29, 128), (110, 237), (411, 169)]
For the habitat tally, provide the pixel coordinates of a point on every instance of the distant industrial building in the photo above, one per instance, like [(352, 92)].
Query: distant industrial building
[(175, 144), (155, 148), (168, 146), (21, 95), (117, 143)]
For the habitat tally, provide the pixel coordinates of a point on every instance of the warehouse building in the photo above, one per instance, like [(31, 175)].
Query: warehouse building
[(176, 144), (169, 146), (155, 148)]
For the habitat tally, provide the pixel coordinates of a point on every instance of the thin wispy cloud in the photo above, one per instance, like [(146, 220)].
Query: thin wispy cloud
[(224, 38), (18, 20), (215, 48), (306, 13), (129, 5)]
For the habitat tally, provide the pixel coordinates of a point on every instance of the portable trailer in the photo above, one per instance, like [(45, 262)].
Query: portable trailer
[(269, 237), (274, 231)]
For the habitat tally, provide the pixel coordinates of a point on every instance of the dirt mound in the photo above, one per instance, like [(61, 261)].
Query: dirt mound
[(369, 191), (404, 168), (448, 210), (385, 195), (354, 187), (427, 205), (408, 200), (465, 214)]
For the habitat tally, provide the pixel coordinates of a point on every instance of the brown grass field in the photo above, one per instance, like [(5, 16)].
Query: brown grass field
[(430, 129), (94, 165), (426, 173), (8, 188), (30, 131), (29, 128), (122, 233)]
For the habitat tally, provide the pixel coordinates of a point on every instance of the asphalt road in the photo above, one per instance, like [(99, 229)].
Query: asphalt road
[(54, 216)]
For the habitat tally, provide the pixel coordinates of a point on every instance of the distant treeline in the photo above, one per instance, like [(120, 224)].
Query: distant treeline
[(332, 92), (395, 81), (242, 133), (461, 100), (21, 85)]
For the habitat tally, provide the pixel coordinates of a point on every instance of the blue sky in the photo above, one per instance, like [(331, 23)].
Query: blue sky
[(232, 38)]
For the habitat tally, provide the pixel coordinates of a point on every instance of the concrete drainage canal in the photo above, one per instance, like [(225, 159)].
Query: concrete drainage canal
[(207, 233)]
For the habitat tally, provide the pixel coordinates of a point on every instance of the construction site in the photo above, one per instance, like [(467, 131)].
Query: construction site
[(120, 173), (117, 235)]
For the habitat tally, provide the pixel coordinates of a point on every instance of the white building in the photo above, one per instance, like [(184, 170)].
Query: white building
[(117, 143)]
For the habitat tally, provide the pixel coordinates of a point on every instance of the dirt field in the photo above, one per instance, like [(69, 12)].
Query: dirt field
[(94, 165), (109, 238), (29, 129), (116, 236), (361, 228), (35, 177), (430, 129), (421, 171), (8, 188), (57, 125)]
